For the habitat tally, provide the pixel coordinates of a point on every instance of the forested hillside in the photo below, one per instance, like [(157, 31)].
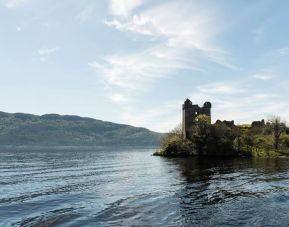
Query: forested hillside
[(53, 129)]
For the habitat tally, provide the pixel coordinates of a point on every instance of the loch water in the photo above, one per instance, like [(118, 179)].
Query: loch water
[(94, 186)]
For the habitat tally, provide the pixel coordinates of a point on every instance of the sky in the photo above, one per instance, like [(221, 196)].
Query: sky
[(136, 61)]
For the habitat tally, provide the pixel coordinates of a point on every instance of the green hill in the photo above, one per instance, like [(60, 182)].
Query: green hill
[(53, 129)]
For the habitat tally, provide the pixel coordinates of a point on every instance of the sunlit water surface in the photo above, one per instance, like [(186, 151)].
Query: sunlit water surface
[(129, 187)]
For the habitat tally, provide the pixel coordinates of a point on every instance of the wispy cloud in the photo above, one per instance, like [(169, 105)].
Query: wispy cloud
[(180, 36), (138, 71), (278, 53), (123, 7), (168, 115), (283, 51), (13, 3), (86, 14), (265, 74), (44, 53), (221, 88), (180, 29), (118, 98), (47, 51), (181, 24), (264, 77), (232, 102)]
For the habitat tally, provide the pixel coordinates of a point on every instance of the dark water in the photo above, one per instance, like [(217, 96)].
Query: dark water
[(129, 187)]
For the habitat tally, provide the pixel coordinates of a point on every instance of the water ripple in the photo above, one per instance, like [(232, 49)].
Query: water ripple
[(129, 187)]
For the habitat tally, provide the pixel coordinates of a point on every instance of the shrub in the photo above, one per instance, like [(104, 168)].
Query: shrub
[(285, 140), (175, 145)]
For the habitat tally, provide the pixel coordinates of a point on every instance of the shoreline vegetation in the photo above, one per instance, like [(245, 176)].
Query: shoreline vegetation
[(225, 139)]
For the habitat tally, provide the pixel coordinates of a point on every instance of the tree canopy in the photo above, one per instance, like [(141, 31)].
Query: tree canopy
[(226, 139)]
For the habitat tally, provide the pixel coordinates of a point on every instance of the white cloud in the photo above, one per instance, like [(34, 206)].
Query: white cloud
[(136, 24), (180, 35), (277, 53), (265, 96), (264, 77), (13, 3), (44, 53), (118, 98), (265, 74), (182, 24), (243, 107), (87, 13), (283, 51), (168, 115), (47, 51), (183, 33), (138, 71), (221, 88), (123, 7)]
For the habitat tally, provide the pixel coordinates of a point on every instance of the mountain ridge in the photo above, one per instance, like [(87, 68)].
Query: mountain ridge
[(55, 129)]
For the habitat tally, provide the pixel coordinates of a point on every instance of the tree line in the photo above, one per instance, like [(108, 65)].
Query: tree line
[(224, 139)]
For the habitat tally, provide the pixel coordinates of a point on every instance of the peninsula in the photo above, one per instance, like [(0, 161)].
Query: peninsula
[(197, 136)]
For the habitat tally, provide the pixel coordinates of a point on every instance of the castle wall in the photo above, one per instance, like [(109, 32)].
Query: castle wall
[(190, 113)]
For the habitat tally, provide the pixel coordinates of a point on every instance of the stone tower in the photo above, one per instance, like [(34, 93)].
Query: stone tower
[(191, 112)]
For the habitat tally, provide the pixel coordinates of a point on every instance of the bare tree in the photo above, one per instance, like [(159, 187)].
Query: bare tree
[(177, 130), (277, 127)]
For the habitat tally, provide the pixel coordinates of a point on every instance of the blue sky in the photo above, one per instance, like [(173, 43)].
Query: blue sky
[(136, 61)]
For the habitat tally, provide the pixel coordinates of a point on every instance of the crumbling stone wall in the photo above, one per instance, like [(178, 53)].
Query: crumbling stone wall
[(191, 112)]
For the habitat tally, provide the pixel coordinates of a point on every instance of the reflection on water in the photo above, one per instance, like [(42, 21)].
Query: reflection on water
[(111, 187)]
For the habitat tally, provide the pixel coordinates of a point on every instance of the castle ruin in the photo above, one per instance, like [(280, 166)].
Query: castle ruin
[(191, 112)]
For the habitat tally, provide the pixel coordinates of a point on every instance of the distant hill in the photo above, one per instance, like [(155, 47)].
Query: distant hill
[(53, 129)]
